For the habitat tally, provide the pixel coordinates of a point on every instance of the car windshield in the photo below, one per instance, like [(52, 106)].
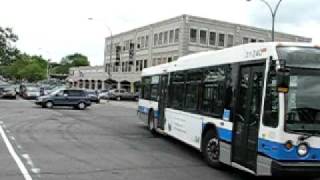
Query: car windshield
[(91, 92), (55, 92), (302, 100), (33, 89)]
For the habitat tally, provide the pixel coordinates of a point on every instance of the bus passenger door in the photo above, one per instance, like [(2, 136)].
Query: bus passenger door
[(247, 115), (163, 91)]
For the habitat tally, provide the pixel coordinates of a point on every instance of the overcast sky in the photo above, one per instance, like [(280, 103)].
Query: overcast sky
[(55, 28)]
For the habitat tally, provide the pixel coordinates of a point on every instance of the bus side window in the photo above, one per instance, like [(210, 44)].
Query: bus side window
[(213, 92), (177, 90), (271, 105)]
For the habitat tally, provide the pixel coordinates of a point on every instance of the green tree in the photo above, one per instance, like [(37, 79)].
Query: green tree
[(31, 68), (8, 52), (73, 60), (33, 72)]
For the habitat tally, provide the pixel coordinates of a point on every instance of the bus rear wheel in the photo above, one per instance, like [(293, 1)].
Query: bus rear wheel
[(211, 149)]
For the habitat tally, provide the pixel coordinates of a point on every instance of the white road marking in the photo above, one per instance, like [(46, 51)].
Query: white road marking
[(13, 153)]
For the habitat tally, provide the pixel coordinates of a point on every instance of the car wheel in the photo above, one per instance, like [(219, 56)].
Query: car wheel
[(49, 104), (82, 105), (136, 98), (211, 149)]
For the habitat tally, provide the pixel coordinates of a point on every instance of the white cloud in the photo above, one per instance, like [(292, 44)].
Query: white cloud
[(60, 27)]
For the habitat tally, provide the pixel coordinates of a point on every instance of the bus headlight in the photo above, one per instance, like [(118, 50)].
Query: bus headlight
[(303, 149)]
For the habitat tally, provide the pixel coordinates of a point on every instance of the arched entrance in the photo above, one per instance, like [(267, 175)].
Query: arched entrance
[(81, 83), (93, 84), (75, 84), (99, 85), (110, 84), (137, 86), (86, 84), (125, 85)]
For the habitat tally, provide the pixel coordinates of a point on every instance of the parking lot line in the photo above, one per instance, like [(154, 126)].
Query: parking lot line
[(14, 155)]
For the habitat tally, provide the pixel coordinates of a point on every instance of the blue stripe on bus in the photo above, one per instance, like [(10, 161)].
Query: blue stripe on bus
[(225, 134), (278, 151), (145, 110)]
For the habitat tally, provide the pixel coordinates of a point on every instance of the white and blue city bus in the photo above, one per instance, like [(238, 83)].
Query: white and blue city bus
[(255, 107)]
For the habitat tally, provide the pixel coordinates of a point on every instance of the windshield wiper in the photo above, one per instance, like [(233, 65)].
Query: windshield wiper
[(305, 137)]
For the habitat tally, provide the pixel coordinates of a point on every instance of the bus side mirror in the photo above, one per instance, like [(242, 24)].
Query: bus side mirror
[(283, 79)]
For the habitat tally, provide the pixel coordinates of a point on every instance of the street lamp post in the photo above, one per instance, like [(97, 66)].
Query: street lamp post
[(111, 44), (273, 13)]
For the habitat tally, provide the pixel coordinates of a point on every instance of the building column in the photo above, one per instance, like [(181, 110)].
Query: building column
[(119, 85), (96, 86), (102, 85), (90, 84), (132, 87)]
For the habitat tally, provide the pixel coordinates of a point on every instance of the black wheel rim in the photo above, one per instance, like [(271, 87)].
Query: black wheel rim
[(213, 149)]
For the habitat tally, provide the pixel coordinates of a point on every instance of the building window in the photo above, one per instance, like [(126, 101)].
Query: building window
[(171, 36), (212, 38), (154, 61), (176, 35), (261, 40), (230, 40), (142, 42), (221, 40), (169, 59), (158, 61), (137, 65), (253, 40), (147, 41), (145, 63), (138, 43), (155, 40), (193, 35), (164, 60), (165, 37), (175, 58), (141, 65), (203, 36), (160, 38), (245, 40)]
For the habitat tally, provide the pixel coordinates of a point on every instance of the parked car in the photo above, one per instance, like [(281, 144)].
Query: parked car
[(31, 92), (122, 94), (104, 94), (72, 97), (93, 95), (7, 91)]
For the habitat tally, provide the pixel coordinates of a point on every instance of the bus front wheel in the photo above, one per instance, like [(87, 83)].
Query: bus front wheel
[(211, 149)]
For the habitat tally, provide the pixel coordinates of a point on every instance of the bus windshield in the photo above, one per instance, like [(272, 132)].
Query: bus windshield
[(302, 100)]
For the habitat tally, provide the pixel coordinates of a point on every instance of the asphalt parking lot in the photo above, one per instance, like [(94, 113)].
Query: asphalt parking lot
[(106, 141)]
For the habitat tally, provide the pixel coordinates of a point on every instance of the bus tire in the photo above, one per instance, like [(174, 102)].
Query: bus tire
[(211, 149), (151, 123)]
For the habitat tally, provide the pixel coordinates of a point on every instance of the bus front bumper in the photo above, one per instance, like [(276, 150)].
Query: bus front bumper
[(296, 168)]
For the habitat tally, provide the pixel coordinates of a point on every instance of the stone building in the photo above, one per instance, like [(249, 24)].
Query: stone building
[(164, 42)]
